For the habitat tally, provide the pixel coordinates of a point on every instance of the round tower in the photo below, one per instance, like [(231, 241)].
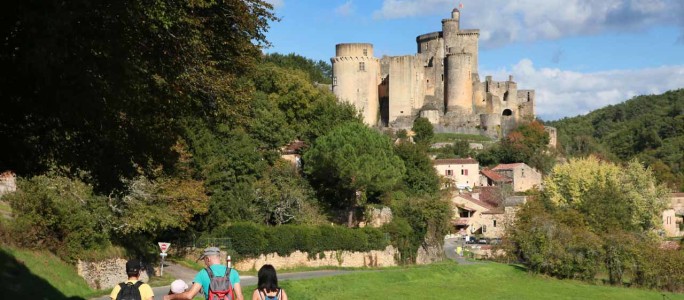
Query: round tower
[(356, 75), (450, 28), (459, 84)]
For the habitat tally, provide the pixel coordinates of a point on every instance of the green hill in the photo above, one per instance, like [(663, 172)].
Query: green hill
[(650, 128)]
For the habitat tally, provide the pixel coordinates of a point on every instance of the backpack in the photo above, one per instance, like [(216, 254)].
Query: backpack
[(129, 291), (220, 287), (264, 296)]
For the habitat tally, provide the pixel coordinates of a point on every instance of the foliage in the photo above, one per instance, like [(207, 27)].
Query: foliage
[(59, 214), (650, 128), (283, 196), (423, 131), (418, 222), (420, 177), (527, 144), (317, 71), (351, 162), (251, 240), (108, 87), (610, 196)]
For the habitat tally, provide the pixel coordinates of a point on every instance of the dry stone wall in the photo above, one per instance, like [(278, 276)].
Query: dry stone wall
[(105, 274), (375, 258)]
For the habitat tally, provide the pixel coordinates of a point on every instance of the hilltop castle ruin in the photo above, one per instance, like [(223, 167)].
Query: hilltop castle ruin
[(441, 83)]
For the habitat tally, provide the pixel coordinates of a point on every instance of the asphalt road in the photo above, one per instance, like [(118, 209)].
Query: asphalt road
[(159, 292)]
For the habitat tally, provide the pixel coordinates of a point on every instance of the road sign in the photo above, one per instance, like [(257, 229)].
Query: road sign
[(164, 246)]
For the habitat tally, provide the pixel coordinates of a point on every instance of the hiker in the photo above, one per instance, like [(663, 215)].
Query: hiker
[(227, 285), (267, 288), (178, 286), (133, 288)]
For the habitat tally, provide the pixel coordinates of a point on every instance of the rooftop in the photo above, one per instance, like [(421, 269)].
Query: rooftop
[(507, 166), (496, 177), (455, 161)]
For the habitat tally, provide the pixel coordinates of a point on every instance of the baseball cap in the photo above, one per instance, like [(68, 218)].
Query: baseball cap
[(178, 286), (133, 266), (210, 251)]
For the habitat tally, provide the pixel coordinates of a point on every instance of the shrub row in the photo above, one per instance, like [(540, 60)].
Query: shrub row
[(250, 239)]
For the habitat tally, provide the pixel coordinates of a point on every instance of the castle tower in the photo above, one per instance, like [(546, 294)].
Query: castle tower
[(459, 83), (356, 75), (450, 28)]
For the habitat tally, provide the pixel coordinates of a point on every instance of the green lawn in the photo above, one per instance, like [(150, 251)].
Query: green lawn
[(451, 281), (452, 137), (39, 275)]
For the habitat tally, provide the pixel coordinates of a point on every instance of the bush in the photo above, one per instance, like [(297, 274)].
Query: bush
[(252, 240), (60, 214)]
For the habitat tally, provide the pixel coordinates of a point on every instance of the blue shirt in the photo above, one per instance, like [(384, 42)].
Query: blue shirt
[(219, 270)]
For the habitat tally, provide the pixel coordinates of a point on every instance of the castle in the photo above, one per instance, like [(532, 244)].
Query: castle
[(441, 83)]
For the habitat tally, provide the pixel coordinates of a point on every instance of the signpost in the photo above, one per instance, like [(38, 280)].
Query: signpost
[(163, 247)]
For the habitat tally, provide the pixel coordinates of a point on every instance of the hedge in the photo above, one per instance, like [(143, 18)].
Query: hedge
[(250, 239)]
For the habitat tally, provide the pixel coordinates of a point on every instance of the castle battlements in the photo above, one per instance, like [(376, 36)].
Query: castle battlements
[(440, 82)]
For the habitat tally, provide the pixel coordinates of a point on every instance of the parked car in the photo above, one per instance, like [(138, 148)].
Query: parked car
[(483, 241)]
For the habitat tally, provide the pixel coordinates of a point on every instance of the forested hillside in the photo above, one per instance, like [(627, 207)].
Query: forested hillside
[(649, 128)]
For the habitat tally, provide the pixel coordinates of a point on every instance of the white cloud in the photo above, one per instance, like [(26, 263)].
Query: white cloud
[(505, 21), (276, 3), (561, 93), (345, 9)]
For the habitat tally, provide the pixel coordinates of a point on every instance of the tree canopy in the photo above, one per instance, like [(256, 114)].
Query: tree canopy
[(355, 161)]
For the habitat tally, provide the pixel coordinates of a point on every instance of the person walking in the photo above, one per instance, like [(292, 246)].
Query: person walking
[(133, 288), (225, 282), (267, 286)]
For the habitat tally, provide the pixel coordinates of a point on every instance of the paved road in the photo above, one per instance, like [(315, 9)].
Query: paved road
[(450, 251), (188, 274)]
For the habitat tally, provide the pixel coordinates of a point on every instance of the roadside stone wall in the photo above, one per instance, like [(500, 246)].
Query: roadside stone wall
[(105, 274), (429, 254), (375, 258)]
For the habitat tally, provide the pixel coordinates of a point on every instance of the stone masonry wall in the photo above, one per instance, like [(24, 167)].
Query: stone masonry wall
[(105, 274), (375, 258)]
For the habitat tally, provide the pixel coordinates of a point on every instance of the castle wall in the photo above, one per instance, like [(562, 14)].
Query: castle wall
[(356, 77), (466, 41), (459, 88), (405, 88), (526, 102)]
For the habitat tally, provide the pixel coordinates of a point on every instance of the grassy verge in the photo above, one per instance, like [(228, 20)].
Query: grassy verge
[(5, 210), (451, 281), (40, 275), (452, 137)]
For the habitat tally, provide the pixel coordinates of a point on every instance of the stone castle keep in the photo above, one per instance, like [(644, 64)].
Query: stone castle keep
[(441, 83)]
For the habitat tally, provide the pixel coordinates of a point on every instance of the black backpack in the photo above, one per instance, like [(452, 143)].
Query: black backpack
[(129, 291)]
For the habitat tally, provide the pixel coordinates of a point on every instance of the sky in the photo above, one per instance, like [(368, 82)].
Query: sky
[(579, 55)]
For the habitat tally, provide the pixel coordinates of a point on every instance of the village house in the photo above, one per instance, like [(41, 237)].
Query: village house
[(673, 216), (292, 152), (462, 173), (521, 176), (485, 212), (8, 182)]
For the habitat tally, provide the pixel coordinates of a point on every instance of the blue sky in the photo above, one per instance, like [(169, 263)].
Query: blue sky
[(578, 54)]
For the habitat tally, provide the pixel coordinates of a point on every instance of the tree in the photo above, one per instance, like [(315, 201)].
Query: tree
[(612, 197), (351, 162), (420, 178), (109, 86), (423, 131)]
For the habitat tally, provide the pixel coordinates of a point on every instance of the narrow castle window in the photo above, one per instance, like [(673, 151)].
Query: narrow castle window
[(494, 223), (362, 66), (442, 77), (365, 52), (334, 80)]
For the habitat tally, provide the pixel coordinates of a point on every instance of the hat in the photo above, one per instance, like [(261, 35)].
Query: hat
[(178, 286), (210, 251), (133, 266)]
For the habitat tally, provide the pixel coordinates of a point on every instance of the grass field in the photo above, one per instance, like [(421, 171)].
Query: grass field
[(39, 275), (451, 281), (452, 137)]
